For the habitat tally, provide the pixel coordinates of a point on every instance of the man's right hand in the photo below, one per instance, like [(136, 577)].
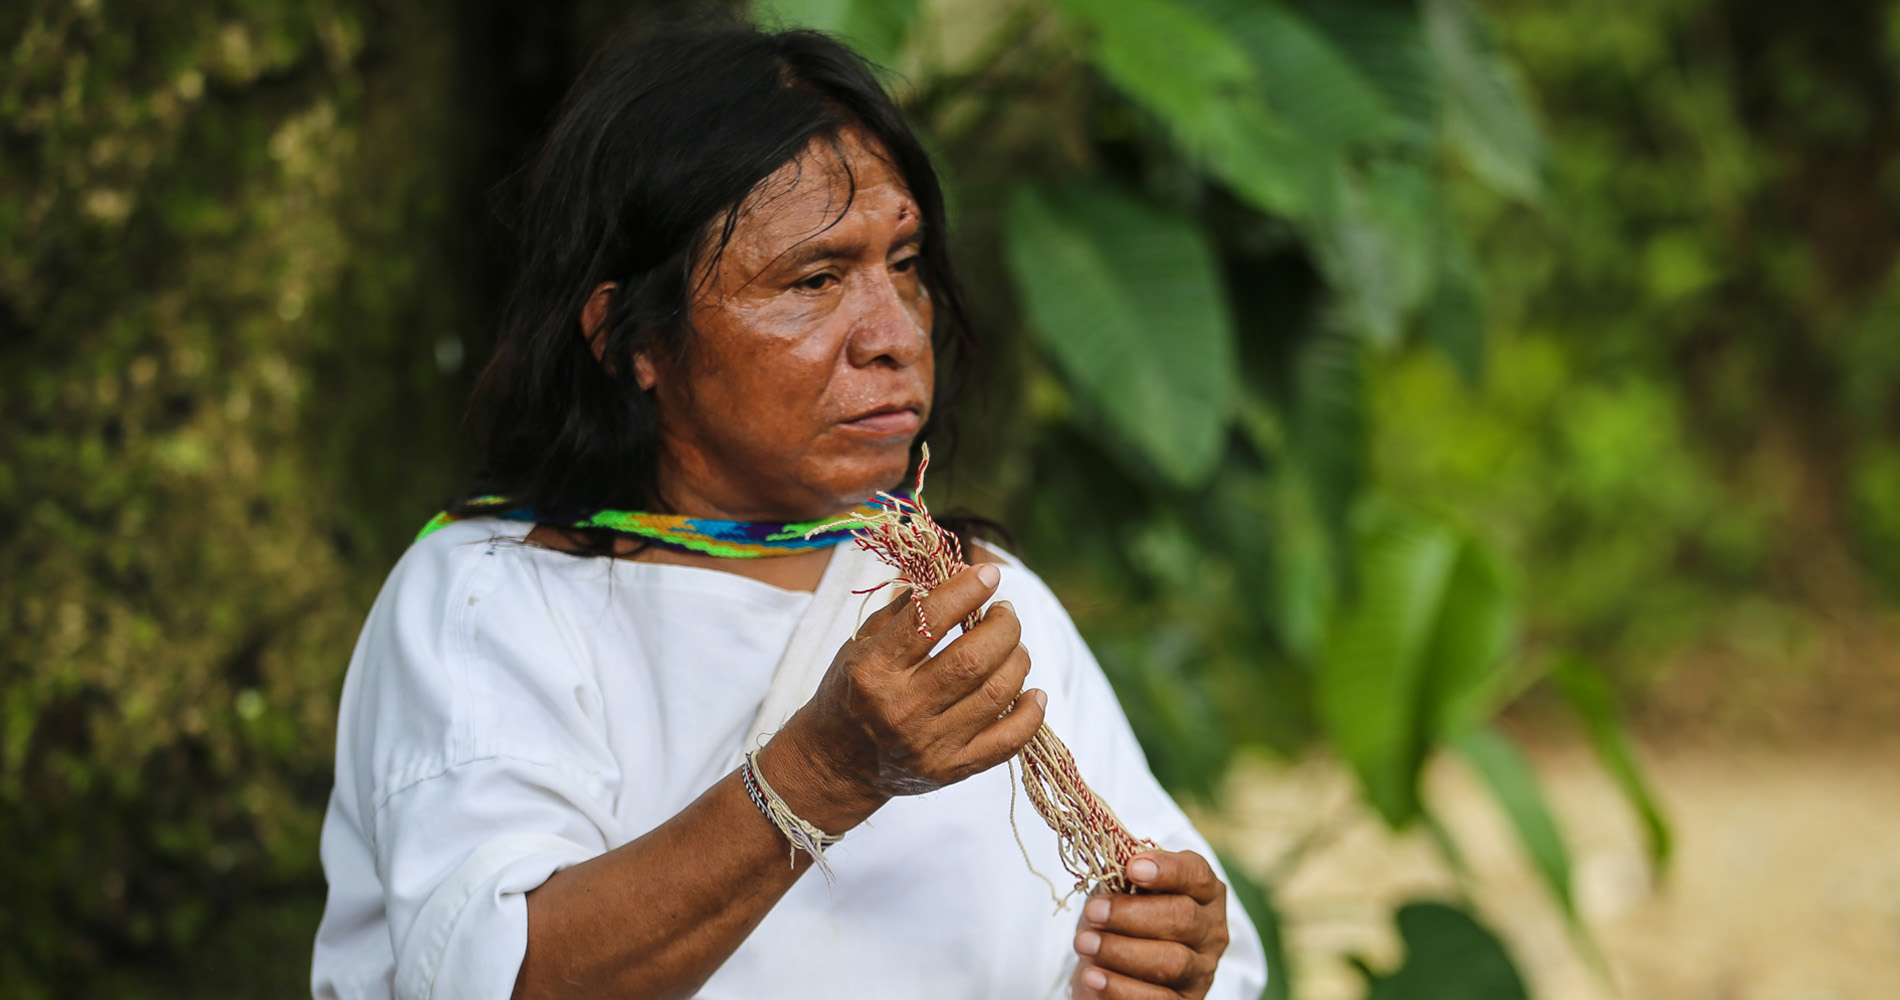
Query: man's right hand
[(889, 719)]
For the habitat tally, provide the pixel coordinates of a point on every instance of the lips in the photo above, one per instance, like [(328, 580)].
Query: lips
[(895, 419)]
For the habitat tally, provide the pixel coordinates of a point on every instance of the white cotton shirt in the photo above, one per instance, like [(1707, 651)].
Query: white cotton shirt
[(511, 711)]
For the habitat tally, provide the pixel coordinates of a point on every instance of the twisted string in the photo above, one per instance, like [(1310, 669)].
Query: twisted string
[(802, 834), (1094, 844)]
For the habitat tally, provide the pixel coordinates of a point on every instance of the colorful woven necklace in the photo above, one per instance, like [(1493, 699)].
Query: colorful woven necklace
[(732, 539)]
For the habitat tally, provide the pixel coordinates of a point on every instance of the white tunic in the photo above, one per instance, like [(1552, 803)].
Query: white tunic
[(511, 711)]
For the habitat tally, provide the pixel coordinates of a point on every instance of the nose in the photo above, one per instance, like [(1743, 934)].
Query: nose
[(889, 329)]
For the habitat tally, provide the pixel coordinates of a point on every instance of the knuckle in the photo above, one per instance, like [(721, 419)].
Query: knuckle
[(1000, 688), (859, 670), (1218, 940), (960, 664), (1016, 664), (1177, 963)]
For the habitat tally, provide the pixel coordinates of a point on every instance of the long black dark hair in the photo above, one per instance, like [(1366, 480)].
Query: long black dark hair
[(640, 179)]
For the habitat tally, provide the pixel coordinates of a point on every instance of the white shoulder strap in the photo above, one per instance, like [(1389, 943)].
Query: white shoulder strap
[(832, 620)]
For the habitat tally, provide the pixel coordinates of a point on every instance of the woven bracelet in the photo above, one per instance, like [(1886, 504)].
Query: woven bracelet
[(804, 836)]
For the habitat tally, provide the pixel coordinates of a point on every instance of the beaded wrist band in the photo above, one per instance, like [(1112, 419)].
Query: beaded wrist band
[(804, 836)]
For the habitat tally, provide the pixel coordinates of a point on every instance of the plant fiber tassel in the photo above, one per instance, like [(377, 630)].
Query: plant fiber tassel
[(1094, 845)]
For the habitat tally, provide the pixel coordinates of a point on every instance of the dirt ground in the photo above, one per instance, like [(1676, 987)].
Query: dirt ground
[(1785, 884)]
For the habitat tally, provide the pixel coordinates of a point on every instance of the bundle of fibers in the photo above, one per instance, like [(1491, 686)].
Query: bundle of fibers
[(1094, 845)]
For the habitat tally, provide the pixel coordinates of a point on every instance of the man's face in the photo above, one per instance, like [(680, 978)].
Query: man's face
[(809, 368)]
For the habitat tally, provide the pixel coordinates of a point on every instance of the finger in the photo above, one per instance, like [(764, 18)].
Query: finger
[(1007, 736), (1111, 985), (945, 607), (967, 664), (1167, 917), (1164, 963), (1176, 871), (877, 620), (977, 708)]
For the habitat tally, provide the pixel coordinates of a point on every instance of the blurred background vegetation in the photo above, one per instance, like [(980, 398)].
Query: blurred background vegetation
[(1381, 380)]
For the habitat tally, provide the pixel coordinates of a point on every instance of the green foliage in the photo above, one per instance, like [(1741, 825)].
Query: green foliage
[(1127, 300), (1231, 212), (1487, 112), (874, 27), (1417, 658), (1448, 956), (1226, 219), (1339, 374), (1514, 784), (208, 268), (1588, 693), (1688, 418)]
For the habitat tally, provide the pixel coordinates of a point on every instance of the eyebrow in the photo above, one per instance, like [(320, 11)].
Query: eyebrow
[(818, 248)]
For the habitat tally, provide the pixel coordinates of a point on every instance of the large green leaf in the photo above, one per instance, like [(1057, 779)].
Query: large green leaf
[(1188, 71), (1166, 56), (1416, 657), (876, 28), (1477, 625), (1302, 582), (1516, 788), (1453, 319), (1307, 81), (1385, 40), (1126, 297), (1380, 247), (1448, 956), (1169, 708), (1326, 424), (1587, 693), (1488, 117), (1269, 165), (1374, 669)]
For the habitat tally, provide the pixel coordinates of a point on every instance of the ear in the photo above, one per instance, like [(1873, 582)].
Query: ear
[(644, 374), (594, 315)]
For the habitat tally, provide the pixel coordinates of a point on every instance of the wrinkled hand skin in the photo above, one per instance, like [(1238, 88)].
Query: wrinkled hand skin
[(1162, 944), (889, 719)]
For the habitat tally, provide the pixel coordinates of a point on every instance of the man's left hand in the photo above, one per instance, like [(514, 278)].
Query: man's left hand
[(1159, 945)]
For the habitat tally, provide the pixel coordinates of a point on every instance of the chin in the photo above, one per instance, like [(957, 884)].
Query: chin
[(850, 479)]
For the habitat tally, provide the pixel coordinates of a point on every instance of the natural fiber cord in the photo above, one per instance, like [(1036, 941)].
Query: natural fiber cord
[(1094, 845), (803, 835)]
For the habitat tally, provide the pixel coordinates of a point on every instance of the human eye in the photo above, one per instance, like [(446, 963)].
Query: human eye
[(817, 282), (906, 264)]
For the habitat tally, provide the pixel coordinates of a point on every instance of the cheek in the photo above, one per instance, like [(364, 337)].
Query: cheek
[(753, 350), (761, 394), (922, 308)]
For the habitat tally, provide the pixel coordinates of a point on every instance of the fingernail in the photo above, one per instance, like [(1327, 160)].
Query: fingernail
[(1088, 943), (1096, 911), (1042, 698), (989, 574), (1095, 979), (1143, 870)]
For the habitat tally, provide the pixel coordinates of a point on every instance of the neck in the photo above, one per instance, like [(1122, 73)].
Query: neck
[(692, 486)]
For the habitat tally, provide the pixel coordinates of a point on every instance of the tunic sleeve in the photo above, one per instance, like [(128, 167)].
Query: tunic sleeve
[(471, 766), (1086, 714)]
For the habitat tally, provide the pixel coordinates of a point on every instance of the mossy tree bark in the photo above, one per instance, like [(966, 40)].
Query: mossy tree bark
[(245, 262)]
